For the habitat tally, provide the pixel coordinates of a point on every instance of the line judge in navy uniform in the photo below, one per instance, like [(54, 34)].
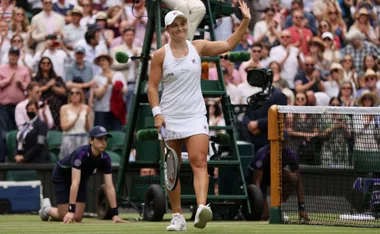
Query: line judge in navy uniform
[(70, 177), (259, 170)]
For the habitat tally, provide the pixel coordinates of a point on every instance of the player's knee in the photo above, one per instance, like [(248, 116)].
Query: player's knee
[(78, 218), (198, 161)]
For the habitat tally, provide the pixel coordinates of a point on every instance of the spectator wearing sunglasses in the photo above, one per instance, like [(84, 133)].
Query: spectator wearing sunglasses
[(370, 79), (76, 120)]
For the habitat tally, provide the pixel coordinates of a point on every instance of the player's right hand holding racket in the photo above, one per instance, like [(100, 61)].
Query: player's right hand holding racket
[(159, 121)]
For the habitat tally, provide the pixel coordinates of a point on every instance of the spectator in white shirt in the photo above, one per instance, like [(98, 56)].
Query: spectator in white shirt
[(58, 54), (106, 82), (289, 57)]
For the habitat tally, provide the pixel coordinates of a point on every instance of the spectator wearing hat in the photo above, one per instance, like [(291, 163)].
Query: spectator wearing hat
[(308, 19), (79, 75), (365, 135), (370, 79), (93, 47), (369, 62), (336, 78), (300, 34), (331, 52), (57, 52), (362, 23), (63, 7), (325, 26), (34, 94), (106, 81), (358, 48), (13, 82), (73, 32), (128, 69), (45, 23), (317, 48), (106, 35)]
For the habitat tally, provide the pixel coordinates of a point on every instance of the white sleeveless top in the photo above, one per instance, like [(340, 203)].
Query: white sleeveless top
[(79, 126), (182, 96)]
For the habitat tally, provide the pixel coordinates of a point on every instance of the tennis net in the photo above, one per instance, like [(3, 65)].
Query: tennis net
[(337, 151)]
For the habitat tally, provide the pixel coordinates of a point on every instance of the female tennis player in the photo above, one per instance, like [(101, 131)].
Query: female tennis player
[(70, 177), (182, 109)]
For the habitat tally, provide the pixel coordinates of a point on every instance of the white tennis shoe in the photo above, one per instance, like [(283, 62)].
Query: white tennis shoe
[(45, 206), (203, 216), (178, 223)]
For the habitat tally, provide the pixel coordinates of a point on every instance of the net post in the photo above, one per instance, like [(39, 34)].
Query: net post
[(274, 138)]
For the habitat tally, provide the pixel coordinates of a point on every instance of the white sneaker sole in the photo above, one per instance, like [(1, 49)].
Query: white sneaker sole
[(205, 216), (42, 216), (176, 230)]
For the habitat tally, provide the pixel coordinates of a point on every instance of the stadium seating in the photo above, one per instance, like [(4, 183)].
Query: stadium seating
[(11, 143), (54, 139)]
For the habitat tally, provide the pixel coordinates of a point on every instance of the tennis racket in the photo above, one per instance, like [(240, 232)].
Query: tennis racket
[(171, 164)]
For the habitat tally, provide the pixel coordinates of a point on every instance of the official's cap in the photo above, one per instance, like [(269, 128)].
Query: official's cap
[(98, 131)]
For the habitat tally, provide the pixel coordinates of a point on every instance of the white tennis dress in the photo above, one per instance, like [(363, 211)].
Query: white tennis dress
[(182, 104)]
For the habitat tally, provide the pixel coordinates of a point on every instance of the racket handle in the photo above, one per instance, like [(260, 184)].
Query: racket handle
[(162, 131)]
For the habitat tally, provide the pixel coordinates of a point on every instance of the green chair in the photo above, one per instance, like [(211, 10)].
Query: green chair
[(115, 157), (53, 157), (11, 143), (21, 175), (116, 143), (54, 140)]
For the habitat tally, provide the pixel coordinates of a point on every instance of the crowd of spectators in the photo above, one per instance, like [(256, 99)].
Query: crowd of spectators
[(57, 61)]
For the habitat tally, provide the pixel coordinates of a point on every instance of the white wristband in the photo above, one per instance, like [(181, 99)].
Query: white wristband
[(156, 111)]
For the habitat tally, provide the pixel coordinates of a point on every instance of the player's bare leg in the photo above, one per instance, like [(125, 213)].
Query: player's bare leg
[(197, 147), (178, 222)]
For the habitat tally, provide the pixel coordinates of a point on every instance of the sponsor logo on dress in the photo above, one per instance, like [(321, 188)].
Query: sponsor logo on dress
[(170, 74), (259, 164), (193, 61)]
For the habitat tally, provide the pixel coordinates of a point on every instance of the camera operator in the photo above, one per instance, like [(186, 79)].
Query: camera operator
[(256, 120)]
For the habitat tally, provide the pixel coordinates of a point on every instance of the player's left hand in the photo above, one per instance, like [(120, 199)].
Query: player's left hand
[(303, 216), (69, 217), (244, 10), (117, 219)]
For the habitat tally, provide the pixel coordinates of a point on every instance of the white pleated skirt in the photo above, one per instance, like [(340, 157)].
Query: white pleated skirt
[(181, 128)]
